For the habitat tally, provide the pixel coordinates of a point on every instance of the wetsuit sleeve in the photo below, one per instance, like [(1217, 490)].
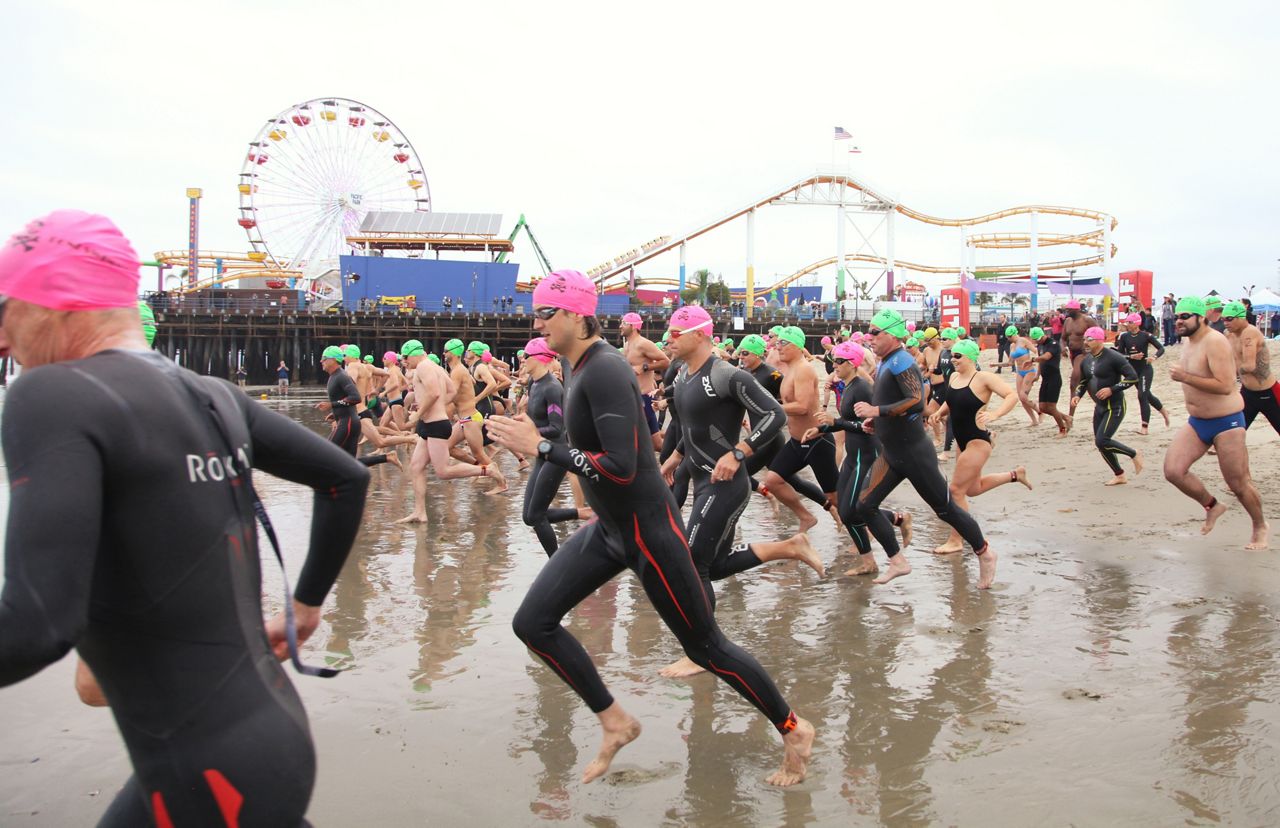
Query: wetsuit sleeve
[(49, 559), (763, 410), (1128, 374), (350, 394), (289, 451), (909, 385), (615, 413), (553, 398), (1156, 342), (839, 424)]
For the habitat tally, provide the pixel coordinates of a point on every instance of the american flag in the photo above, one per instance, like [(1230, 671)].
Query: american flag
[(842, 134)]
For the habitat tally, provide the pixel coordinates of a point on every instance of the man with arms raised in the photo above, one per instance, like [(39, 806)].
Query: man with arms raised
[(648, 362), (1215, 412)]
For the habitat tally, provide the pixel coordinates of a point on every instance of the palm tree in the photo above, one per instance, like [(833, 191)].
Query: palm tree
[(983, 299)]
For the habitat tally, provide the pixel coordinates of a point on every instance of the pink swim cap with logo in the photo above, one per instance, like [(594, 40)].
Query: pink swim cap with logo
[(851, 351), (569, 290), (633, 319), (1095, 333), (70, 261), (691, 318), (1133, 319), (540, 350)]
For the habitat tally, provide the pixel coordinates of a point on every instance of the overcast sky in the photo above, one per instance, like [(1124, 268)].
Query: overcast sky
[(608, 127)]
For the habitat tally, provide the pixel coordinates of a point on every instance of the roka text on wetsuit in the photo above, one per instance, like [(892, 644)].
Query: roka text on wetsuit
[(860, 452), (545, 408), (156, 581), (907, 454), (1130, 345), (1107, 370), (343, 397), (637, 528), (708, 407)]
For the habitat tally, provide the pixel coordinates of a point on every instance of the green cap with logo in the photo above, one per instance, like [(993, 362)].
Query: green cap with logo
[(912, 342), (793, 335), (1037, 334), (332, 352), (353, 351), (1234, 310), (1012, 330), (950, 333), (455, 346), (967, 348), (891, 322), (775, 330), (754, 343), (1213, 303), (412, 347), (477, 347), (1190, 304)]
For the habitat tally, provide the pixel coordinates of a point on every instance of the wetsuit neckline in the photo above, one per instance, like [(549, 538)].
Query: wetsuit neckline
[(599, 342)]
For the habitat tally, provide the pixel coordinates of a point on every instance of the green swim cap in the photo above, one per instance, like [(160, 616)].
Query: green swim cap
[(148, 321), (1190, 304), (753, 343), (455, 346), (793, 335), (1212, 302), (520, 353), (967, 348), (434, 358), (1037, 334), (1234, 310), (412, 347), (727, 344), (891, 322), (353, 351), (665, 336), (776, 329), (1012, 330), (949, 333), (912, 342), (477, 347), (332, 352), (962, 332), (368, 358)]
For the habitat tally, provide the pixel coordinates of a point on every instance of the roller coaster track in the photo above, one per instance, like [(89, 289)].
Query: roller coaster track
[(235, 266)]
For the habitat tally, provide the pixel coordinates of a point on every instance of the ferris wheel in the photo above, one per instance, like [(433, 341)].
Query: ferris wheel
[(312, 173)]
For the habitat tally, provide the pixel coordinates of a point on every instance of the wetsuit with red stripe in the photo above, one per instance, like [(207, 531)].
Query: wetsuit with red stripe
[(156, 581), (637, 527)]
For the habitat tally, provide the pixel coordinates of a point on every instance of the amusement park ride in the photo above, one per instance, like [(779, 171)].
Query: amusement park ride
[(315, 172)]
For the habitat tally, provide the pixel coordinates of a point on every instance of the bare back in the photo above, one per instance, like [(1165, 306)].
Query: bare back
[(1250, 343)]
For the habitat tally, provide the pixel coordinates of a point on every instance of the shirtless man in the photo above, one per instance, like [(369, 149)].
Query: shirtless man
[(393, 390), (430, 421), (467, 420), (931, 353), (362, 375), (1074, 324), (1215, 418), (1258, 385), (648, 362), (801, 401)]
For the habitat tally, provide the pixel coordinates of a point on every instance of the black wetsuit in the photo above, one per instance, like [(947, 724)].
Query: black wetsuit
[(1050, 370), (860, 453), (343, 397), (483, 405), (546, 410), (1132, 344), (907, 454), (637, 527), (963, 406), (707, 409), (1107, 370), (942, 389), (156, 580)]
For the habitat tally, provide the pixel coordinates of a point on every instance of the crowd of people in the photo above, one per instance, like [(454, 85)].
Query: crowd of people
[(640, 429)]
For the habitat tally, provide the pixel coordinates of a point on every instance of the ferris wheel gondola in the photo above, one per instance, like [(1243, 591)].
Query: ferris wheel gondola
[(314, 171)]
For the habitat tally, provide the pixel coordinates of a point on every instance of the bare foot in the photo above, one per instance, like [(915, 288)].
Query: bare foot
[(1259, 538), (1138, 464), (414, 518), (904, 526), (986, 567), (898, 567), (866, 566), (393, 457), (1142, 431), (1071, 420), (1165, 414), (615, 739), (797, 748), (1211, 517), (1020, 475), (807, 520), (1118, 480), (803, 551), (681, 669), (498, 478), (952, 545)]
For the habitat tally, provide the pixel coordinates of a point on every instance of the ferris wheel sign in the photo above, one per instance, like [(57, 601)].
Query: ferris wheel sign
[(314, 171)]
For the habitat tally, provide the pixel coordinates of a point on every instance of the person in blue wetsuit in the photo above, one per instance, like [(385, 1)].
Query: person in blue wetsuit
[(156, 582), (637, 527)]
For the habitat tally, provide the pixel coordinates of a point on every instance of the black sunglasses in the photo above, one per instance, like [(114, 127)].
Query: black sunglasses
[(839, 360), (874, 332), (545, 313), (1185, 316)]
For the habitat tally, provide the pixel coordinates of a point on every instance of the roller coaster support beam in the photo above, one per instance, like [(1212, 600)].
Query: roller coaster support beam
[(683, 247), (891, 264), (1035, 260), (751, 263), (840, 261), (1106, 249)]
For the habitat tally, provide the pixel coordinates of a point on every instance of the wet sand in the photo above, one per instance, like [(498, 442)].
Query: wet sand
[(1122, 670)]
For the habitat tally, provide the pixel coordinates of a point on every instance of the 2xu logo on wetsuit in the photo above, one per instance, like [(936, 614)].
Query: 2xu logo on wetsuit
[(213, 468)]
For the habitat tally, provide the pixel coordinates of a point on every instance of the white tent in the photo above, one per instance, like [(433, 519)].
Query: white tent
[(1265, 301)]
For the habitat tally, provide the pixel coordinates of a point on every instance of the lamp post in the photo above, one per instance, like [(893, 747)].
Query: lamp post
[(1071, 273)]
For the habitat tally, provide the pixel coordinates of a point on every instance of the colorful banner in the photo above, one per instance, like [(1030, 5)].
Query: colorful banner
[(955, 308), (1135, 286)]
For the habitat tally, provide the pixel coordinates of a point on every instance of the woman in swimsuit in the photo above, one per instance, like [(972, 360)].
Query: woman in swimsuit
[(1022, 357), (967, 397)]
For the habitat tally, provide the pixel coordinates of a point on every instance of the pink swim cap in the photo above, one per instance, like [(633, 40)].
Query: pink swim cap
[(851, 351), (569, 290), (691, 318), (1134, 319), (911, 326), (486, 357), (1095, 333), (1074, 304), (633, 319), (539, 349), (390, 356), (70, 261), (826, 340)]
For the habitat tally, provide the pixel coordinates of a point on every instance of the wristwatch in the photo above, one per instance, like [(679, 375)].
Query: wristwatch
[(544, 448), (738, 455)]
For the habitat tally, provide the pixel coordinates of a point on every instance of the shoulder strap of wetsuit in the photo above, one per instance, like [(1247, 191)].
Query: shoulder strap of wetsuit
[(231, 428)]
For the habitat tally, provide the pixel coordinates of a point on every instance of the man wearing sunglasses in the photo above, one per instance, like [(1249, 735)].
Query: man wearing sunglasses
[(1258, 384), (1215, 419), (895, 413)]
